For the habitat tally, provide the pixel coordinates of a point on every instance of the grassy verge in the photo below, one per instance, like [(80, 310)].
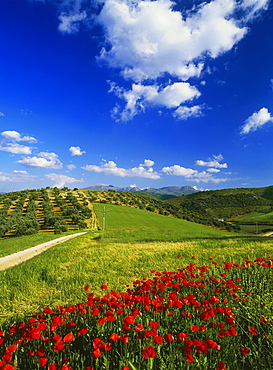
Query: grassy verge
[(10, 245)]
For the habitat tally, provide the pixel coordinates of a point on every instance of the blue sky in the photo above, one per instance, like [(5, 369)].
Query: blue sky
[(145, 93)]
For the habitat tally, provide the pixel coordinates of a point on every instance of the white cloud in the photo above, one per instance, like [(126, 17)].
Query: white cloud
[(61, 180), (142, 96), (15, 148), (257, 120), (150, 38), (71, 167), (190, 174), (45, 160), (1, 114), (70, 23), (16, 176), (16, 136), (110, 168), (212, 162), (212, 170), (9, 143), (147, 163), (184, 113), (76, 150)]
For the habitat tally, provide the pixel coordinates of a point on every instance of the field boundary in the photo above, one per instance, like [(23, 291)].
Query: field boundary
[(22, 256)]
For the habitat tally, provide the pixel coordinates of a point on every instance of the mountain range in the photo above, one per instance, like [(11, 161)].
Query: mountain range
[(172, 191)]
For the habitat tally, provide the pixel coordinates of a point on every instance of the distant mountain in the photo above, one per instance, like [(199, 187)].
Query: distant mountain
[(172, 191)]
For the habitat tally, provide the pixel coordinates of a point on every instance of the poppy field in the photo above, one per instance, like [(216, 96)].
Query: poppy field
[(211, 315)]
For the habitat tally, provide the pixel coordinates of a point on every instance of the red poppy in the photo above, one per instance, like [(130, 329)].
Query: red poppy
[(96, 353), (8, 367), (103, 286), (189, 358), (149, 352), (244, 351), (41, 352), (12, 347), (221, 366), (101, 321), (158, 340), (68, 337), (53, 366), (83, 331), (43, 361), (154, 325), (114, 337), (86, 287), (139, 328), (182, 336), (129, 320), (253, 330), (125, 368), (169, 338), (66, 367), (194, 328)]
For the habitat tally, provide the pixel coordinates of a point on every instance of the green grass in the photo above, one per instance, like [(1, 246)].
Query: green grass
[(256, 217), (10, 245), (132, 224)]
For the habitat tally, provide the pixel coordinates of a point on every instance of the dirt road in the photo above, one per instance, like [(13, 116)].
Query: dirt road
[(19, 257)]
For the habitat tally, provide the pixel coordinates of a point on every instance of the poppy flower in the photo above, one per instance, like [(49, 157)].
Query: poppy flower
[(189, 358), (253, 330), (244, 351), (96, 353), (221, 366), (103, 286), (86, 287), (68, 337), (53, 366), (43, 361), (149, 352), (169, 338)]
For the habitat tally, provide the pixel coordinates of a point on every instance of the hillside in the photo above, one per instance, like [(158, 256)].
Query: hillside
[(230, 204), (59, 210)]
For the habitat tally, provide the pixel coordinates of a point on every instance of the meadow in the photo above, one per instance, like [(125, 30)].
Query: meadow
[(185, 297)]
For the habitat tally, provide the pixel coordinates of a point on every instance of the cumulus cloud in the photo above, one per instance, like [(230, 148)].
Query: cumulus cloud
[(61, 180), (157, 43), (141, 96), (16, 136), (183, 113), (10, 140), (43, 160), (76, 150), (190, 174), (257, 120), (212, 162), (110, 168)]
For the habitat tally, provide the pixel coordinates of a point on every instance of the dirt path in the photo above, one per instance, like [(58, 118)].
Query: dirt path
[(19, 257)]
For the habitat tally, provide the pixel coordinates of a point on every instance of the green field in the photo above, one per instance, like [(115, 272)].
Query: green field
[(132, 224)]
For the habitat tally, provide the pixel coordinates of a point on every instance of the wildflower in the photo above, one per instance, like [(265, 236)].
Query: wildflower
[(149, 352), (158, 340), (244, 351), (83, 331), (53, 366), (169, 338), (182, 336), (68, 337), (189, 358), (253, 330), (103, 286), (154, 325), (86, 287), (194, 328), (43, 361), (96, 353), (221, 366)]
